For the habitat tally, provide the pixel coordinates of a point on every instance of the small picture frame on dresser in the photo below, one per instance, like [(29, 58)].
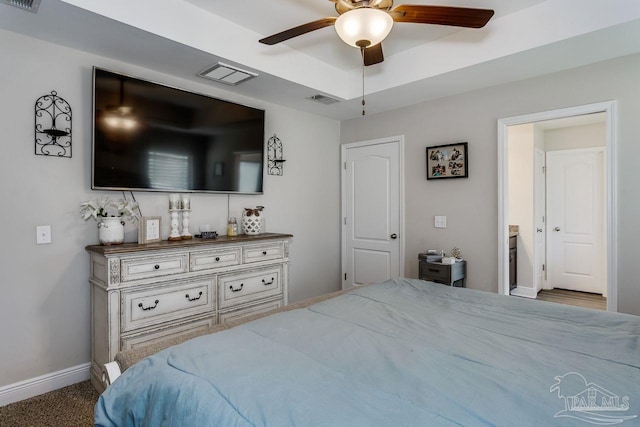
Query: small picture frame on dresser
[(448, 161), (149, 229)]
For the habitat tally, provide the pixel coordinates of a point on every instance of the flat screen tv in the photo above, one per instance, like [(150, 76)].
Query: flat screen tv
[(152, 137)]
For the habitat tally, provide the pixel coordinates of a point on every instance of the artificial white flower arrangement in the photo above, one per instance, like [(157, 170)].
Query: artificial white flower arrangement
[(104, 207)]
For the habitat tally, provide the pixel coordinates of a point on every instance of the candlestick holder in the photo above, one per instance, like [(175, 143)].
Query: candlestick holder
[(174, 201), (53, 126), (175, 224), (185, 235)]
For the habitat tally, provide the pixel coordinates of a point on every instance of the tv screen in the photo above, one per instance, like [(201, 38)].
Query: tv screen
[(152, 137)]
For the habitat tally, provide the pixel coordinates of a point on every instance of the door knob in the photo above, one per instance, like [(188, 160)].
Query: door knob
[(539, 230), (394, 236), (556, 229)]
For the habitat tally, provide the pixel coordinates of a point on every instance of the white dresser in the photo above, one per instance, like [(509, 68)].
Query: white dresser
[(141, 294)]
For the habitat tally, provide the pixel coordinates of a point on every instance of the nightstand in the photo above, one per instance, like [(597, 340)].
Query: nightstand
[(447, 274)]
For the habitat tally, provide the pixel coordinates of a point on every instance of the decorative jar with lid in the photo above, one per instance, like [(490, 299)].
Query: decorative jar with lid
[(232, 227)]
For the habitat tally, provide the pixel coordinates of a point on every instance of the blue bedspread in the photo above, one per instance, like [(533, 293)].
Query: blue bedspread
[(401, 353)]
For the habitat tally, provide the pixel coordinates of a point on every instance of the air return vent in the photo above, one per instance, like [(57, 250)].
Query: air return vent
[(323, 99), (227, 74), (30, 5)]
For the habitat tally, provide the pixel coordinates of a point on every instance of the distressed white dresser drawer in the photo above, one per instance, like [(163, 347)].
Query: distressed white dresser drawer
[(153, 266), (163, 304), (157, 335), (235, 315), (241, 288), (207, 260), (265, 252)]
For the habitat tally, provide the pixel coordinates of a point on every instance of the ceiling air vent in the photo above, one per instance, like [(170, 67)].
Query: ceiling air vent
[(323, 99), (30, 5), (227, 74)]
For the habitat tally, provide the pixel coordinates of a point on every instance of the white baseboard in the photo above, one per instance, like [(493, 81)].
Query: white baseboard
[(43, 384), (522, 291)]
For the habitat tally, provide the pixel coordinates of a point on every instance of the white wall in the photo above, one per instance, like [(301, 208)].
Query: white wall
[(471, 204), (585, 136), (521, 200), (44, 303)]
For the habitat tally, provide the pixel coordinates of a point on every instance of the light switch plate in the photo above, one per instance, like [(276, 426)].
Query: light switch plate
[(440, 221), (43, 234)]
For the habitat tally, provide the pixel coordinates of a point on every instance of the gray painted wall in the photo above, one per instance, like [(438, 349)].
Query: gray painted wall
[(471, 205), (44, 306)]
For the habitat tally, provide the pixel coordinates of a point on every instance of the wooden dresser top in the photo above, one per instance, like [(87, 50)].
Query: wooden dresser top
[(179, 244)]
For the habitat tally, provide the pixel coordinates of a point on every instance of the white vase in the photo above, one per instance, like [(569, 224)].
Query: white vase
[(111, 231), (252, 224)]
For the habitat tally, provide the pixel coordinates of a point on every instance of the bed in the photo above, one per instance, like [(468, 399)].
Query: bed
[(401, 353)]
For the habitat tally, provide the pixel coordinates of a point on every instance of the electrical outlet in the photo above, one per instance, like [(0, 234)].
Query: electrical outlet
[(440, 221), (43, 234)]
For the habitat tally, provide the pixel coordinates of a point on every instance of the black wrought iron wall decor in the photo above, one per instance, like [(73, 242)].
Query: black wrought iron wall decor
[(274, 156), (53, 126)]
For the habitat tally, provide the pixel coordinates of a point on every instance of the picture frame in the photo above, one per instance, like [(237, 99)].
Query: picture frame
[(149, 230), (448, 161)]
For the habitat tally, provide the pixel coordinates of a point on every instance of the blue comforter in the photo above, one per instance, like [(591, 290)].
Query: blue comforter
[(401, 353)]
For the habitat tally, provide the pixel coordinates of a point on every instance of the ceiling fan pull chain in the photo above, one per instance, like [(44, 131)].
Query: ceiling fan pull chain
[(362, 52)]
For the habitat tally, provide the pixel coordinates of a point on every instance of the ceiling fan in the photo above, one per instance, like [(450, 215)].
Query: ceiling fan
[(365, 23)]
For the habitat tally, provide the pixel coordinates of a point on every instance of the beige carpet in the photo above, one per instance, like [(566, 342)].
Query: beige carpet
[(67, 407)]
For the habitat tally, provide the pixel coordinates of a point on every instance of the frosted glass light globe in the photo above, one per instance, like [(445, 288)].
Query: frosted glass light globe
[(364, 26)]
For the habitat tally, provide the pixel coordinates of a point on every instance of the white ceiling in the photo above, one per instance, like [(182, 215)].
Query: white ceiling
[(324, 44), (525, 38)]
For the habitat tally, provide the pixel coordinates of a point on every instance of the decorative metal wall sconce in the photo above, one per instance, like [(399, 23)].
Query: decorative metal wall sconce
[(53, 126), (274, 156)]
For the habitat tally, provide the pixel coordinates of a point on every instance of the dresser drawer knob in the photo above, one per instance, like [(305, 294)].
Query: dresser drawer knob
[(157, 267), (236, 290), (264, 252), (217, 258), (151, 307), (194, 298), (264, 282)]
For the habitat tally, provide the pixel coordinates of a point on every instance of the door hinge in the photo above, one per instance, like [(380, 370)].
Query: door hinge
[(345, 220), (542, 267), (544, 169), (345, 165), (345, 276)]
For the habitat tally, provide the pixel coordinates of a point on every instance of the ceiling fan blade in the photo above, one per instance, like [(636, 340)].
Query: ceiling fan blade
[(442, 15), (298, 31), (373, 55)]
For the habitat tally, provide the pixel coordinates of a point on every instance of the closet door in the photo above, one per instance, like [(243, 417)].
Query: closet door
[(372, 237)]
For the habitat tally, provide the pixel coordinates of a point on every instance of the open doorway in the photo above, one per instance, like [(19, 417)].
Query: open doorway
[(556, 191)]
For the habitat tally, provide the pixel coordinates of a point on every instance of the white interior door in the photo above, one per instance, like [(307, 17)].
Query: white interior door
[(371, 231), (539, 220), (575, 220)]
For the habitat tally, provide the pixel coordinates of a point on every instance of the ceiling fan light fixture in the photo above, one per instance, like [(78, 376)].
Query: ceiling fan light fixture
[(121, 118), (364, 26)]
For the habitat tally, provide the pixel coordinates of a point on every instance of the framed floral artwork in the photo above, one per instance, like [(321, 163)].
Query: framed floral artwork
[(149, 230)]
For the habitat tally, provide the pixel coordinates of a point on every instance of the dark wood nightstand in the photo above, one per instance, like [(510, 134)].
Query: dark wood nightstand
[(447, 274)]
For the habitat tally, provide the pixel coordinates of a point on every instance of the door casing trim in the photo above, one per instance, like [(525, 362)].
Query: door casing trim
[(607, 107)]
